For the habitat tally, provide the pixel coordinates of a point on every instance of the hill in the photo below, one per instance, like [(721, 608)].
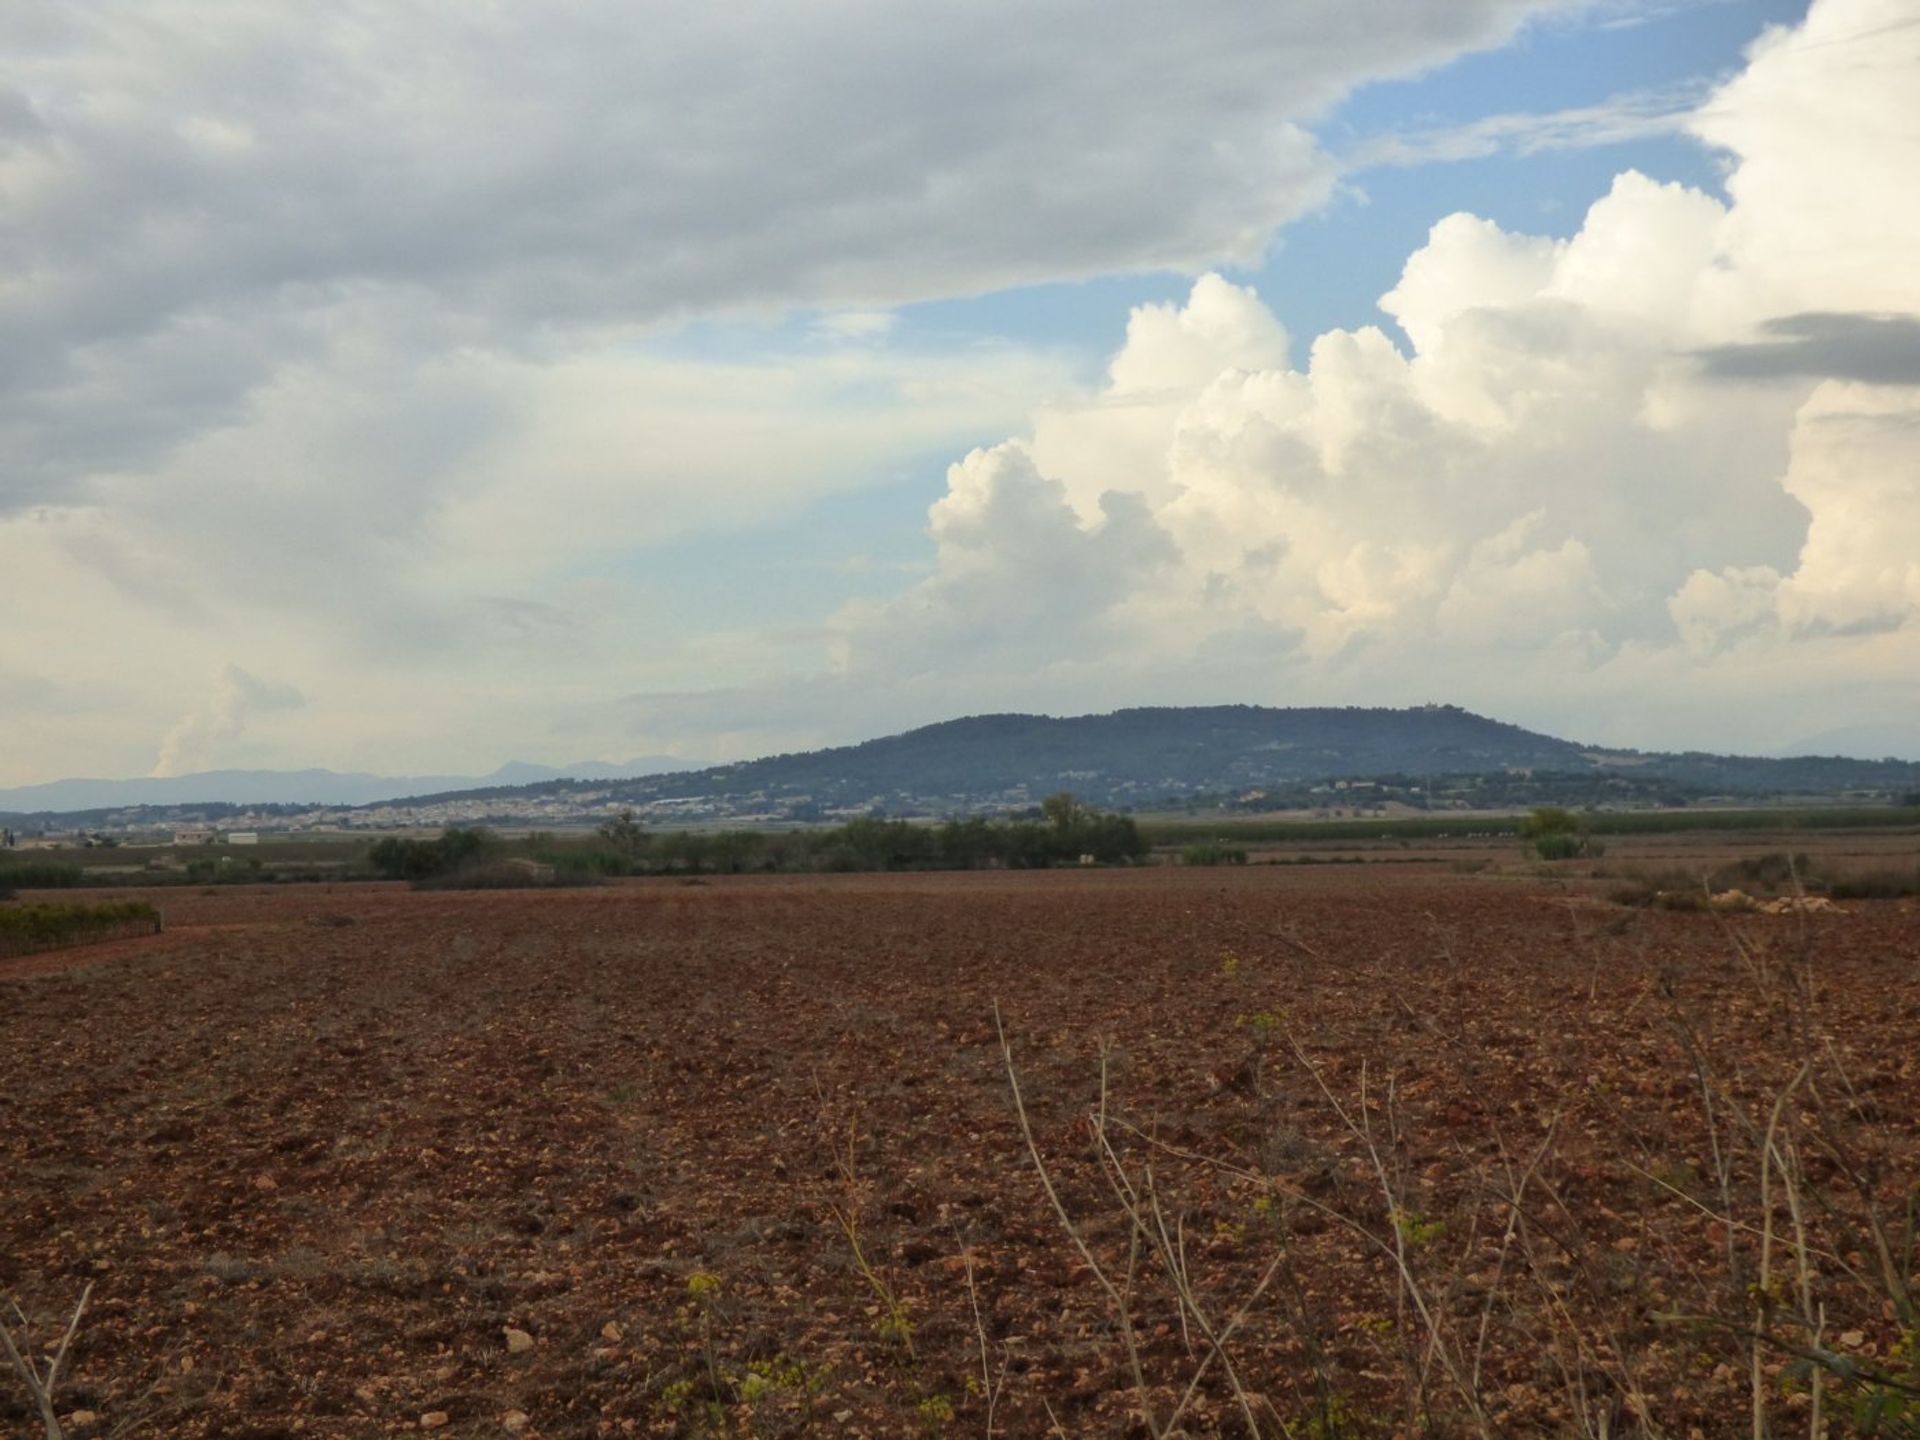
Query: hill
[(1141, 757)]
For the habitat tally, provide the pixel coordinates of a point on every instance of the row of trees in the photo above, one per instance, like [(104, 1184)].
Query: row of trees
[(1064, 832), (1061, 832)]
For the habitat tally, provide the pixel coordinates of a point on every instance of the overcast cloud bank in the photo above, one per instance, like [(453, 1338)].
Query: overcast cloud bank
[(338, 428)]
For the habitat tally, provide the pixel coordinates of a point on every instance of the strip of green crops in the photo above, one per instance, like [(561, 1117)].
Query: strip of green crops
[(1620, 822), (25, 929)]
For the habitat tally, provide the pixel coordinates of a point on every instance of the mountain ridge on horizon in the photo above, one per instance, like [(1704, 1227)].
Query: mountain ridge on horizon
[(1131, 756)]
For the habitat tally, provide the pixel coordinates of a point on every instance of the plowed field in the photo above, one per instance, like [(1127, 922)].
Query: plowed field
[(1377, 1151)]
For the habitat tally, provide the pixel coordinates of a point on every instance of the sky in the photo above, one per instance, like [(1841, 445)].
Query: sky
[(410, 388)]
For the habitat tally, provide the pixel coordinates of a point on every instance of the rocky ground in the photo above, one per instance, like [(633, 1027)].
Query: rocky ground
[(1340, 1151)]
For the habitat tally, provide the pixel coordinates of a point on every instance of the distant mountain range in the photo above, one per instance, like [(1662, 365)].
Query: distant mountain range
[(1900, 742), (297, 787), (1235, 754)]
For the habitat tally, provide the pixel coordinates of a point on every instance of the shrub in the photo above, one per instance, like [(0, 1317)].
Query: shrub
[(1554, 833), (1558, 846), (456, 849)]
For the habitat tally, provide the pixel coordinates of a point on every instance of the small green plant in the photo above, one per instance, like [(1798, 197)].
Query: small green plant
[(1264, 1024), (935, 1412), (778, 1375), (1333, 1419), (683, 1401), (1416, 1230), (703, 1295), (895, 1328)]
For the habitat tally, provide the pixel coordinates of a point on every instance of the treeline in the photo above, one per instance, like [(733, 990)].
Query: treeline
[(456, 849), (25, 929), (1066, 833), (36, 875), (1473, 825)]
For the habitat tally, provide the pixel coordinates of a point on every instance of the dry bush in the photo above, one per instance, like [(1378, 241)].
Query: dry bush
[(40, 1374), (1486, 1290)]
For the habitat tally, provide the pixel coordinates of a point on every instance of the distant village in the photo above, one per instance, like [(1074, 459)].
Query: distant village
[(187, 826)]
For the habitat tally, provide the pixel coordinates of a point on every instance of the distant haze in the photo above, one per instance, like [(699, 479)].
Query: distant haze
[(299, 787), (1866, 742)]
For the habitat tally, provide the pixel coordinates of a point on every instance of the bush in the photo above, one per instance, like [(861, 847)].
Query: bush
[(25, 929), (1557, 834), (416, 860), (1560, 847)]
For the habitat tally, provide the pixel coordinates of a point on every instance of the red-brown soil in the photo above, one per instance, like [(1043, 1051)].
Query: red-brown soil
[(318, 1150)]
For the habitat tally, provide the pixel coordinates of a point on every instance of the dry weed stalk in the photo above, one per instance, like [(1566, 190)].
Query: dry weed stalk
[(1786, 1316), (41, 1379), (991, 1383), (1529, 1266), (847, 1211)]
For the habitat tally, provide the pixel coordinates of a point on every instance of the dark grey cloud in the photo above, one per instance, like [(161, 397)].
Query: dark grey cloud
[(196, 199), (1832, 345)]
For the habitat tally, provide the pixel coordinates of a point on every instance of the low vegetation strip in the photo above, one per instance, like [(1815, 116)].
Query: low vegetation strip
[(28, 929), (36, 875), (1473, 824), (1062, 832)]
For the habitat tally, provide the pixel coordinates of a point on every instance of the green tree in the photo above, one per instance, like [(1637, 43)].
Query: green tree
[(1556, 833), (625, 834), (1064, 812)]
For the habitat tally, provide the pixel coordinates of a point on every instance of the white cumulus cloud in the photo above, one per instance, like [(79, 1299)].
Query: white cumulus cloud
[(1580, 463)]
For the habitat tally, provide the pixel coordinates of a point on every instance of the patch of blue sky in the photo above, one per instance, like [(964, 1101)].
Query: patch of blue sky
[(1582, 58), (1624, 64)]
